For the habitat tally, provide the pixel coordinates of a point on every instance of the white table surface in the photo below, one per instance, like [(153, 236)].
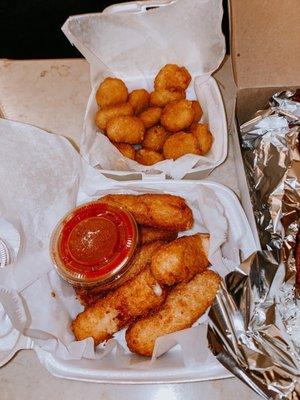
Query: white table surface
[(52, 95)]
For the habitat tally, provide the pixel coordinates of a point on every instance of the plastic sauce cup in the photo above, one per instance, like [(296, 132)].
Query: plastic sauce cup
[(93, 244)]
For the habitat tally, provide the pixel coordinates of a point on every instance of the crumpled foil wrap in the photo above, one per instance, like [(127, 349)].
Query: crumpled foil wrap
[(254, 328)]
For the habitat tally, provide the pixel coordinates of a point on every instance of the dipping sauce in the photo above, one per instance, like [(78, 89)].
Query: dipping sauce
[(93, 244)]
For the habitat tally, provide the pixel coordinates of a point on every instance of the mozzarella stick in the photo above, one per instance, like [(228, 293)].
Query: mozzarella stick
[(185, 303), (163, 211), (119, 308), (180, 260), (149, 235), (142, 258)]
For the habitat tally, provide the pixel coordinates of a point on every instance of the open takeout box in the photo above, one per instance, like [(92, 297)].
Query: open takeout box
[(133, 41), (50, 182), (265, 51), (265, 56)]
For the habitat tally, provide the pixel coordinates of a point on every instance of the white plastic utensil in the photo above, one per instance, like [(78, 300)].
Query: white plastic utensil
[(13, 321), (4, 254), (23, 343)]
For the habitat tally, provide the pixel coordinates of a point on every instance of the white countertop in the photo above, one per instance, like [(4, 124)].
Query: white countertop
[(52, 95)]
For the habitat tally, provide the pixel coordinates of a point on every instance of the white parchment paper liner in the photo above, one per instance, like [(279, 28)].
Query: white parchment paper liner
[(133, 47), (44, 177)]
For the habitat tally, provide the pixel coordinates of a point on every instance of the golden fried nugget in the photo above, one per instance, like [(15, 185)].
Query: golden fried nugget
[(171, 76), (139, 99), (162, 211), (126, 149), (150, 235), (140, 261), (180, 260), (155, 138), (204, 138), (197, 110), (107, 113), (184, 305), (148, 157), (119, 308), (162, 97), (192, 127), (177, 116), (179, 144), (151, 116), (126, 129), (111, 91)]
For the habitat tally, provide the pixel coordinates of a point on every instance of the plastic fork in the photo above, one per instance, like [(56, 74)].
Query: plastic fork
[(4, 254)]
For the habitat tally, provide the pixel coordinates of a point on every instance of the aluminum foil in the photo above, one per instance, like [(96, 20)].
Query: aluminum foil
[(255, 322)]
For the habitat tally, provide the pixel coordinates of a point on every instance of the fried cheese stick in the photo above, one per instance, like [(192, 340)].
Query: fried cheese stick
[(119, 308), (180, 260), (142, 258), (185, 303), (163, 211), (149, 235)]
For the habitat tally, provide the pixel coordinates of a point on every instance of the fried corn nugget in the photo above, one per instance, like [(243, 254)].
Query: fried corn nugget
[(185, 303), (126, 129), (192, 127), (204, 137), (126, 149), (162, 97), (149, 235), (139, 99), (141, 260), (180, 260), (177, 116), (151, 116), (148, 157), (179, 144), (162, 211), (197, 110), (171, 76), (155, 138), (111, 91), (120, 307), (109, 112)]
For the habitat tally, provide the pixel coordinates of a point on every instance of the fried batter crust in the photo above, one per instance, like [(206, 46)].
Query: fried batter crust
[(177, 115), (107, 113), (179, 144), (181, 259), (119, 308), (139, 99), (140, 261), (125, 129), (126, 149), (111, 91), (149, 235), (148, 157), (185, 303), (163, 211), (171, 76)]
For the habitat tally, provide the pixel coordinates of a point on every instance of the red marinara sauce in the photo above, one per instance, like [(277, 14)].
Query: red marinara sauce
[(93, 244)]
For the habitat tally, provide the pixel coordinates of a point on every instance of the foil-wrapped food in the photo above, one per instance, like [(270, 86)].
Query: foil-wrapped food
[(255, 322)]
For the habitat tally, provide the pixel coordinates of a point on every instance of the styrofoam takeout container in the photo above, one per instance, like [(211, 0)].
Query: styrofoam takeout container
[(133, 41), (170, 368), (57, 180), (175, 365)]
